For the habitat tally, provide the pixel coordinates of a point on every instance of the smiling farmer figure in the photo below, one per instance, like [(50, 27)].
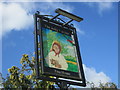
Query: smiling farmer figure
[(55, 59)]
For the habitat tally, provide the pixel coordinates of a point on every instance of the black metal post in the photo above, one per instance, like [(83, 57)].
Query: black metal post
[(36, 44), (62, 85)]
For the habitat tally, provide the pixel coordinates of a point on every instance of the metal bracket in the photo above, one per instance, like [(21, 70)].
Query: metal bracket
[(68, 22), (55, 16)]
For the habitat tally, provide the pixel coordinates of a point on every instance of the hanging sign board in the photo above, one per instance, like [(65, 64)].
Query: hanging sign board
[(60, 55)]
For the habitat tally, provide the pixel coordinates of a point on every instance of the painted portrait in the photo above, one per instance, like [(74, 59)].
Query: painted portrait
[(59, 50)]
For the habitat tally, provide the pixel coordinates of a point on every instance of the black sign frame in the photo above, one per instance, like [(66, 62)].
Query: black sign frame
[(42, 21)]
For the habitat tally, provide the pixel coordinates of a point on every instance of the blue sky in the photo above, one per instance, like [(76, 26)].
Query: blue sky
[(97, 35)]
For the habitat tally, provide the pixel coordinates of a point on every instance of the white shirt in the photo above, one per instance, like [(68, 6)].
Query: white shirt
[(59, 58)]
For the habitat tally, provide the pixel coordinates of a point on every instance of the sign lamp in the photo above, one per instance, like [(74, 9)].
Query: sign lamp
[(69, 15)]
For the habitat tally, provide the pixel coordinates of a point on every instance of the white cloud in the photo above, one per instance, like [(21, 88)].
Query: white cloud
[(95, 77), (46, 7), (62, 0), (0, 20), (19, 16), (14, 17), (103, 6), (80, 31)]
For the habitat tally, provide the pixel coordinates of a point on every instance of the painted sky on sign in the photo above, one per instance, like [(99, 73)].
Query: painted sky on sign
[(97, 35)]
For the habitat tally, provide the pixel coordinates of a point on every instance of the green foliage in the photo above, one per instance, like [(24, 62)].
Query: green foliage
[(25, 77)]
